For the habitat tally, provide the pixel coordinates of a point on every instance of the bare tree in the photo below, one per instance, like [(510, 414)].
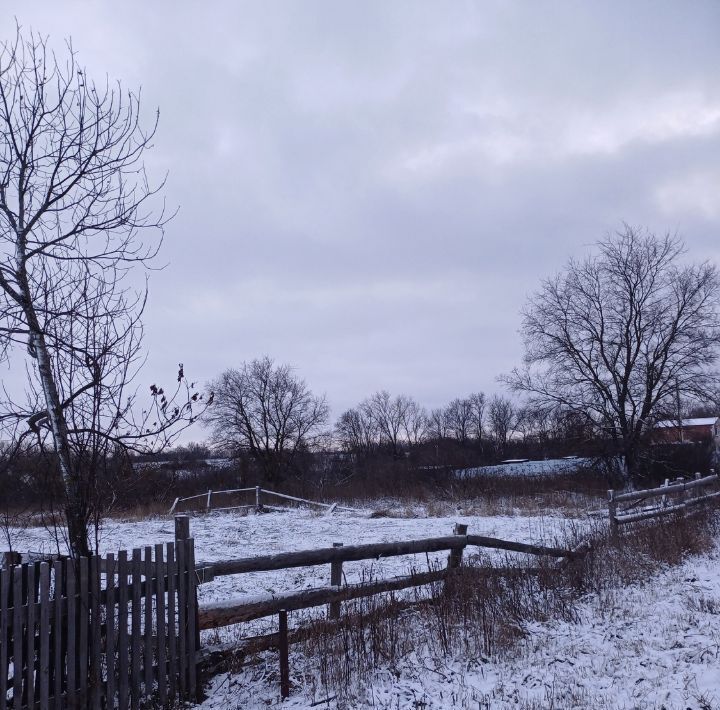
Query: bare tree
[(459, 415), (265, 410), (438, 425), (356, 432), (616, 335), (74, 200), (387, 413), (383, 421), (501, 414), (414, 421), (477, 410)]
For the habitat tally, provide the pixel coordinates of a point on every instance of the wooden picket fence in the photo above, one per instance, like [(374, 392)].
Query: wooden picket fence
[(100, 632)]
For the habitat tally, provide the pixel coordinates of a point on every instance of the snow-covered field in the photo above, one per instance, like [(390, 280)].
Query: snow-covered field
[(231, 535), (654, 645)]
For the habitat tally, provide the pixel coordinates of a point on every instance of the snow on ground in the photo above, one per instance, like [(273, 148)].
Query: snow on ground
[(231, 535), (548, 467), (655, 645), (651, 645)]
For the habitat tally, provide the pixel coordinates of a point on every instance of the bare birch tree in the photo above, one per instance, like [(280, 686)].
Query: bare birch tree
[(74, 203), (615, 336)]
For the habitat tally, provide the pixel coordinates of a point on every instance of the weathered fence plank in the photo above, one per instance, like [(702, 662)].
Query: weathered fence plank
[(57, 641), (96, 633), (148, 622), (44, 626), (135, 636), (123, 644), (160, 624), (182, 609), (17, 634), (192, 612), (110, 630), (84, 615), (30, 636), (5, 576), (71, 604), (172, 619)]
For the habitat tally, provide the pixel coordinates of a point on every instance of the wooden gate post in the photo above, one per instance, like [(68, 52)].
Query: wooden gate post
[(335, 581), (258, 504)]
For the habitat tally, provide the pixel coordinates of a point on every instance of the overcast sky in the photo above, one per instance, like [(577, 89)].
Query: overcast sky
[(370, 190)]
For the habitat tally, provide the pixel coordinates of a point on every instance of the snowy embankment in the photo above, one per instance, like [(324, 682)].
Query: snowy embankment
[(548, 467), (650, 645)]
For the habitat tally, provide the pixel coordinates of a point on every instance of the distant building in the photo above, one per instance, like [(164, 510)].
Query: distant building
[(701, 430)]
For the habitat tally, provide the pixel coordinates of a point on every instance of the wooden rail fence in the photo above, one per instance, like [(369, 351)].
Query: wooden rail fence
[(117, 630), (667, 505), (208, 500), (100, 632), (233, 611)]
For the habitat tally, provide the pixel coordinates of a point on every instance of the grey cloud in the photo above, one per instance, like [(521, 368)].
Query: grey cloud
[(370, 190)]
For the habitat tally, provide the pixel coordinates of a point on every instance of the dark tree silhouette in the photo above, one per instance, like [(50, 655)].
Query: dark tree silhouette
[(614, 337)]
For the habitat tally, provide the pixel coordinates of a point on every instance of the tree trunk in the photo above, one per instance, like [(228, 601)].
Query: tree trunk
[(75, 503)]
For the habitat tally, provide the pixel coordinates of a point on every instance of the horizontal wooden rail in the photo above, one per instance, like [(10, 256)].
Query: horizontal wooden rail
[(350, 553), (496, 543), (234, 611), (668, 510), (373, 551), (619, 517), (335, 506), (204, 495), (663, 490)]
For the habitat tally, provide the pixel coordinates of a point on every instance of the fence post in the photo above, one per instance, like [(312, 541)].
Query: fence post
[(182, 527), (209, 499), (9, 559), (612, 512), (258, 505), (664, 499), (284, 655), (335, 581), (455, 556)]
